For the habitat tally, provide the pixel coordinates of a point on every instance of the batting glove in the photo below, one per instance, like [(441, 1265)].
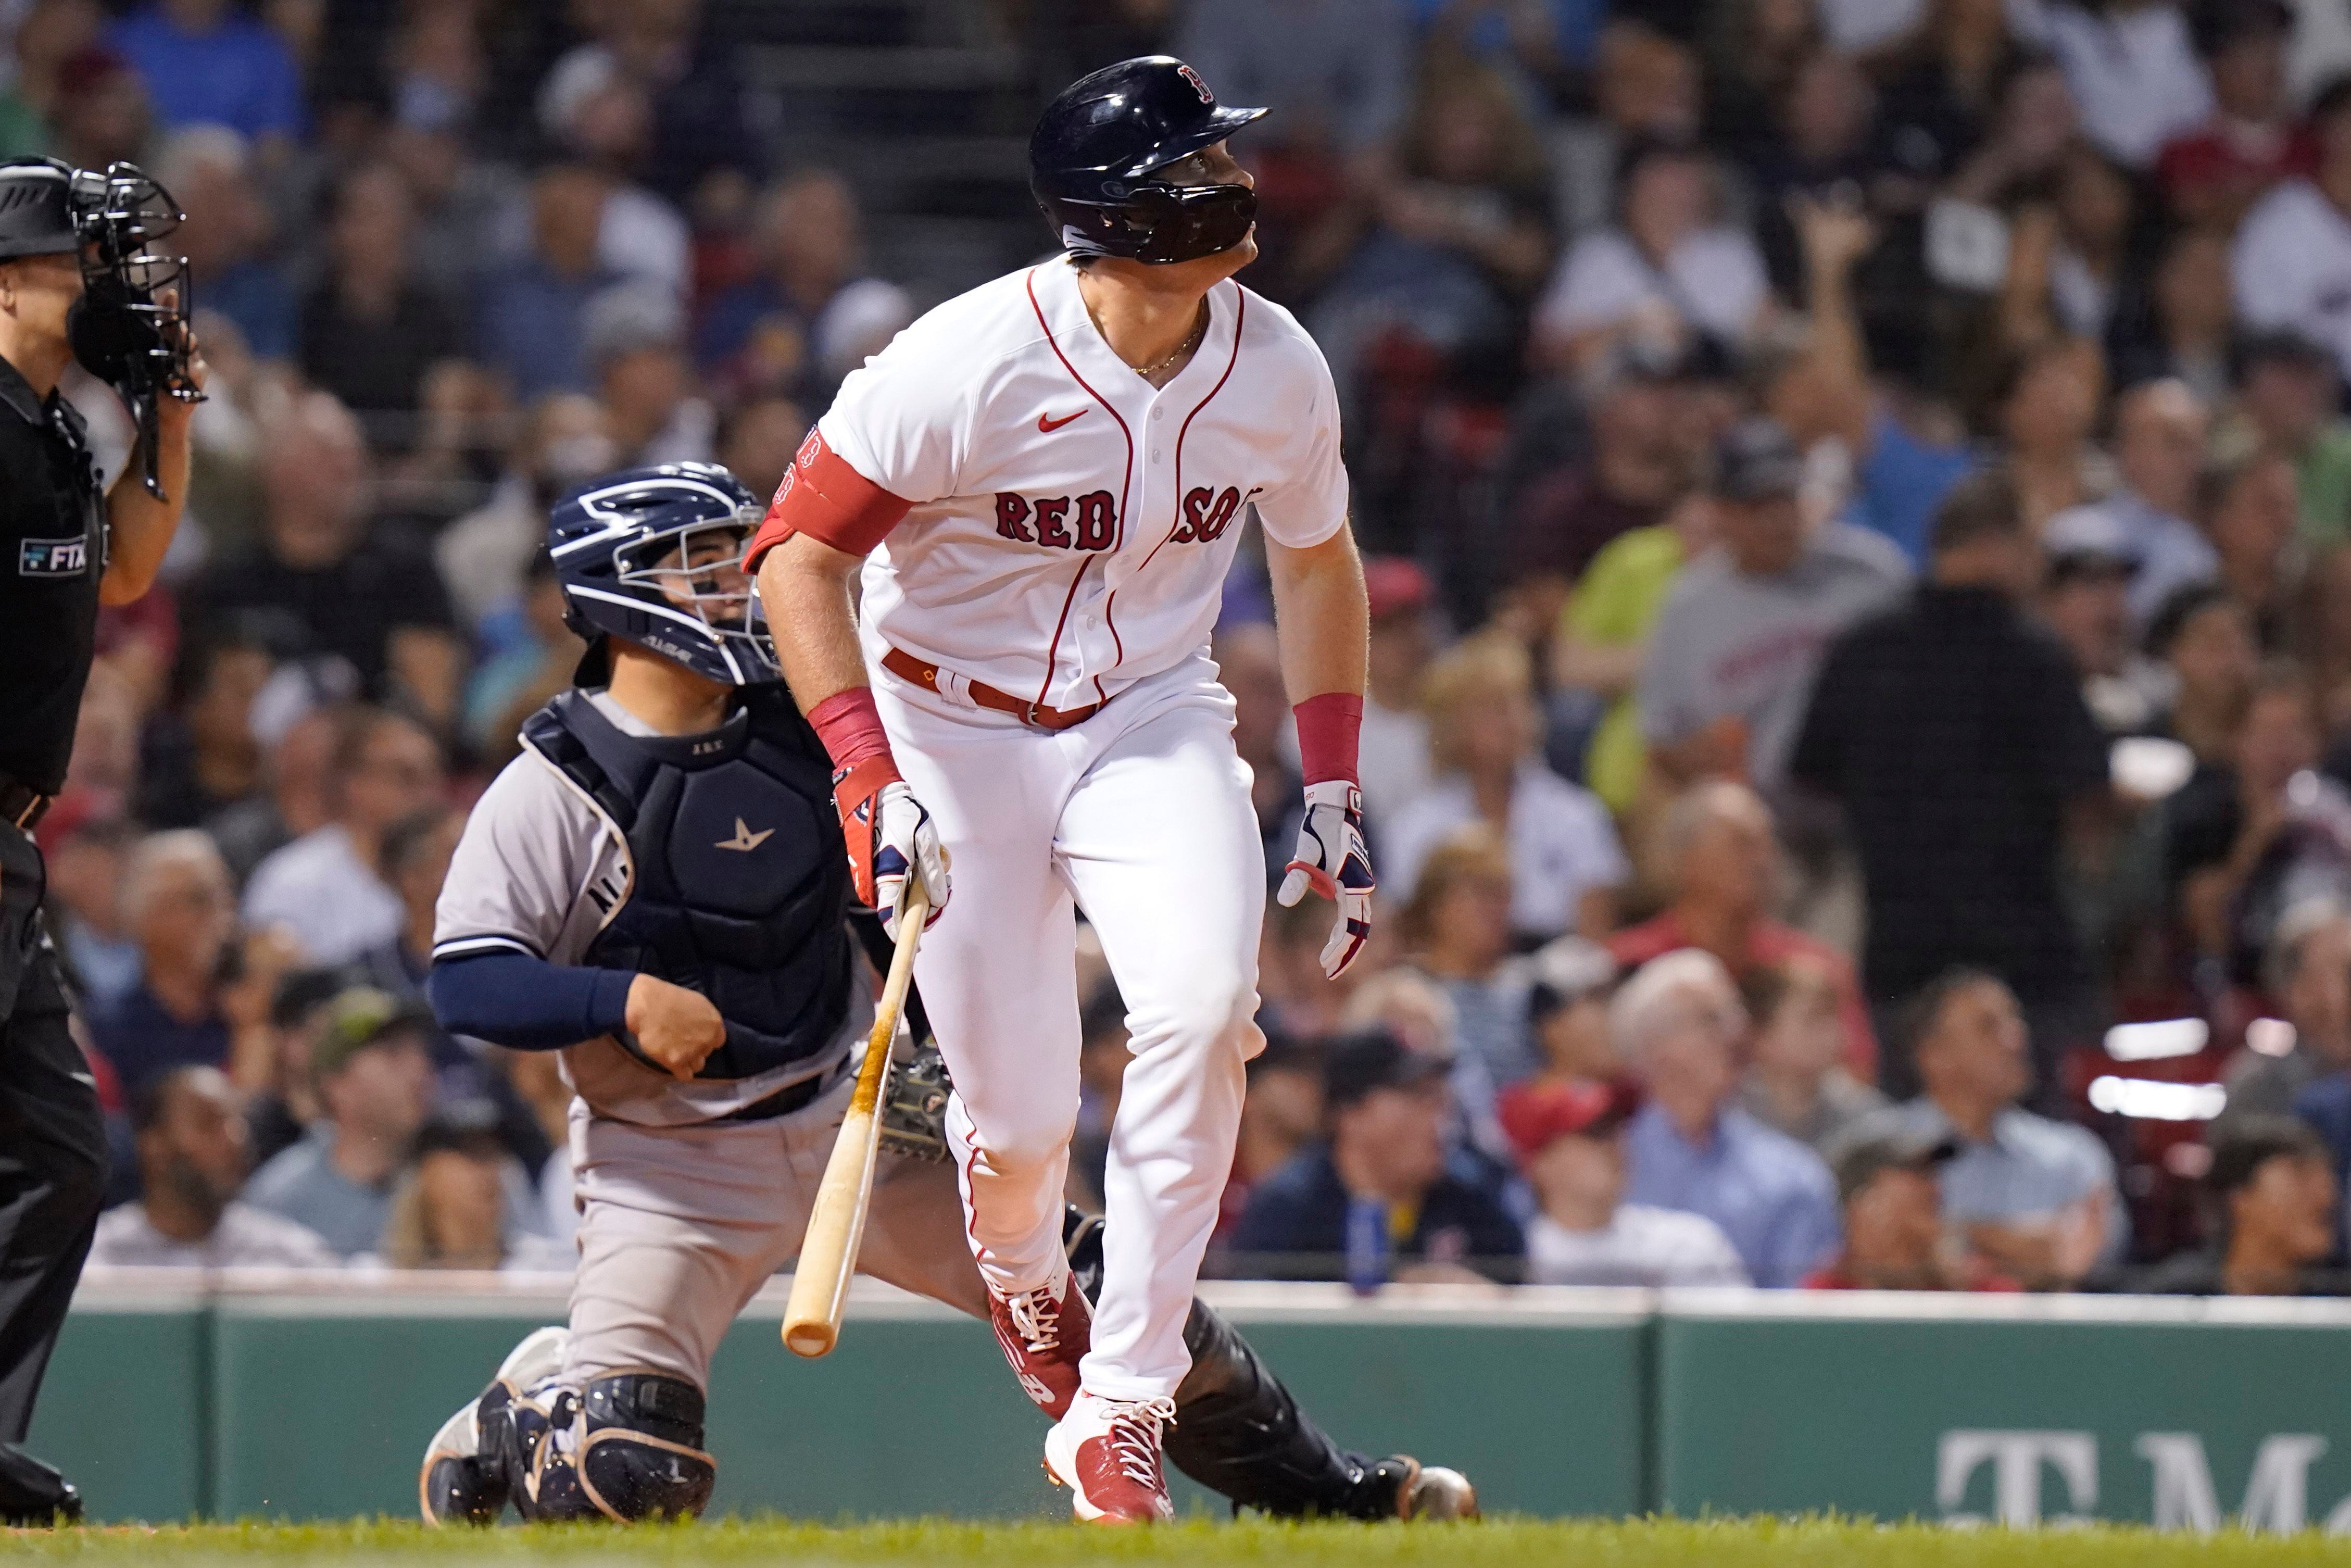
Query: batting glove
[(1331, 859), (887, 832)]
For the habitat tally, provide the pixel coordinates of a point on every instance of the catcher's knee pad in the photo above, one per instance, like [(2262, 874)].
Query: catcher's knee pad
[(642, 1455), (627, 1447)]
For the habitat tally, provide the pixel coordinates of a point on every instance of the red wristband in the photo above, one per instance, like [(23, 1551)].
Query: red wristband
[(1328, 730), (851, 727)]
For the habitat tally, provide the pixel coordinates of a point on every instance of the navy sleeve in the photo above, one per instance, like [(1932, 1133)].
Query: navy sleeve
[(525, 1003)]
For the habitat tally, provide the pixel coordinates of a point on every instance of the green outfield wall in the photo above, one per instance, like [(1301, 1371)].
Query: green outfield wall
[(263, 1398)]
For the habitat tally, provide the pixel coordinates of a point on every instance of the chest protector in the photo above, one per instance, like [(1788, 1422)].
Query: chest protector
[(738, 886)]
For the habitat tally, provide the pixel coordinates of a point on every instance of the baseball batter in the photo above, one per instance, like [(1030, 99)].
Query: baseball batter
[(1043, 483), (655, 888)]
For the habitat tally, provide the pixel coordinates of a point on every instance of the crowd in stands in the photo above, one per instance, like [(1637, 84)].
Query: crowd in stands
[(1857, 505)]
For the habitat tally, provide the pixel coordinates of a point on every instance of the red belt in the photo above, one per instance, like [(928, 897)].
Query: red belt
[(907, 667)]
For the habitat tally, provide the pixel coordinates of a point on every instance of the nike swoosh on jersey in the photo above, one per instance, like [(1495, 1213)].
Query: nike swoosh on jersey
[(1046, 426), (745, 839)]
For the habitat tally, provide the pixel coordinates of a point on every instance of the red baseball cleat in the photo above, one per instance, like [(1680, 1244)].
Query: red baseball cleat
[(1044, 1333), (1107, 1453)]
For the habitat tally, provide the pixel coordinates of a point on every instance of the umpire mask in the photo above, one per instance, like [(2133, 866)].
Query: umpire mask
[(124, 330)]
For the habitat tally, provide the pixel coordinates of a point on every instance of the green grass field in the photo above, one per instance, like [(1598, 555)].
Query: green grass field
[(1732, 1544)]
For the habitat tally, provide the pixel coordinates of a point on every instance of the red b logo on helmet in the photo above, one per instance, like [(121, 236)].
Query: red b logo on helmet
[(1197, 85)]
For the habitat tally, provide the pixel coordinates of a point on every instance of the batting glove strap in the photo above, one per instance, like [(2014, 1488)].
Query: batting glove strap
[(1331, 859), (886, 832)]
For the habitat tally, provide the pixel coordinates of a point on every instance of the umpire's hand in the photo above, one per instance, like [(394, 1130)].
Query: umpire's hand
[(677, 1028)]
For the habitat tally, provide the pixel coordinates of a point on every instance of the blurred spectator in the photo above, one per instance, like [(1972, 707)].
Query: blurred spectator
[(2159, 433), (328, 886), (1334, 72), (415, 858), (1456, 925), (1280, 1116), (1669, 273), (2044, 408), (285, 1103), (1722, 865), (537, 1079), (1943, 88), (532, 326), (209, 170), (1951, 729), (1678, 1021), (1630, 473), (2034, 1197), (1570, 1140), (2180, 323), (2205, 638), (2067, 259), (2131, 66), (2248, 840), (2250, 508), (2274, 1189), (759, 439), (370, 330), (1395, 742), (2290, 396), (1733, 654), (511, 686), (1645, 87), (1889, 1189), (566, 441), (636, 348), (810, 240), (1602, 643), (2213, 173), (600, 114), (179, 907), (1248, 666), (1569, 984), (1796, 1081), (198, 755), (86, 853), (2294, 246), (1383, 1160), (449, 1209), (322, 581), (297, 775), (194, 1155), (374, 1081), (1566, 867), (2086, 600), (100, 113), (2306, 975), (42, 37), (696, 116), (207, 62)]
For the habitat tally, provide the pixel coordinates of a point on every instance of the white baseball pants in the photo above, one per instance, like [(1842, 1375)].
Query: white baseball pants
[(1141, 818)]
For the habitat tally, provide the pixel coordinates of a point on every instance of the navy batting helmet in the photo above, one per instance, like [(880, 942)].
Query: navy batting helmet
[(1094, 154), (655, 555)]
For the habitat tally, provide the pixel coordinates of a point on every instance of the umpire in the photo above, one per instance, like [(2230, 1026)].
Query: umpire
[(78, 281)]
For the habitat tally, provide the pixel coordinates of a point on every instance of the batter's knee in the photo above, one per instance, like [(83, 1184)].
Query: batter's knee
[(1211, 1015), (1015, 1134)]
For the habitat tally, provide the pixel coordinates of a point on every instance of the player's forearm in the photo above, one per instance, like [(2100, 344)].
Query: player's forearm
[(804, 589), (141, 527), (525, 1003), (1323, 618)]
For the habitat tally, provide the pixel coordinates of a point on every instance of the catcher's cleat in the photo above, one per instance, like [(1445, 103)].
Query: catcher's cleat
[(1044, 1333), (1107, 1453), (459, 1483)]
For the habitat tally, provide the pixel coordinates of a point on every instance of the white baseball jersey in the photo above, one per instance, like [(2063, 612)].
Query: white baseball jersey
[(1071, 523)]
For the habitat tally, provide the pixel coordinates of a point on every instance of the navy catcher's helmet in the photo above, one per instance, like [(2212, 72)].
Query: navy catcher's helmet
[(1092, 159), (655, 555)]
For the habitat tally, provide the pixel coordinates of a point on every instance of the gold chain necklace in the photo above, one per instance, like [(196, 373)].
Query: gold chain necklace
[(1185, 347)]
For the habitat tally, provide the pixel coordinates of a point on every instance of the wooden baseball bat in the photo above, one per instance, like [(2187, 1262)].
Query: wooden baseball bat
[(837, 1221)]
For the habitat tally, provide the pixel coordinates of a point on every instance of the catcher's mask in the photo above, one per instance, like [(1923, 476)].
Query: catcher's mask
[(124, 330)]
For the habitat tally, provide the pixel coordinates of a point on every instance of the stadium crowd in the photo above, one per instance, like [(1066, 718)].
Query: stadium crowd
[(1857, 501)]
